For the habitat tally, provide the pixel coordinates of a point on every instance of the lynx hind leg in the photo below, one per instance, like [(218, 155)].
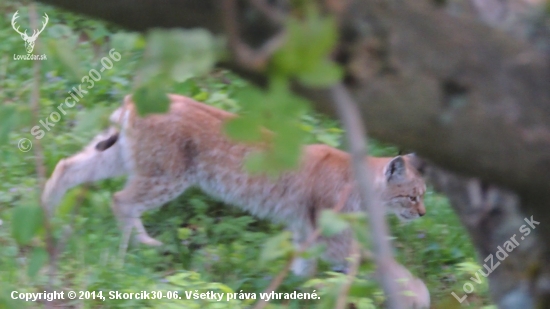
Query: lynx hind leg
[(141, 194), (89, 165)]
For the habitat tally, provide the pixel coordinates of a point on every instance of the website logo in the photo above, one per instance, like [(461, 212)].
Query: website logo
[(29, 40)]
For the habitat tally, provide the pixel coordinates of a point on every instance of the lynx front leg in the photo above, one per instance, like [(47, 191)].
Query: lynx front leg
[(87, 166), (139, 195), (338, 251)]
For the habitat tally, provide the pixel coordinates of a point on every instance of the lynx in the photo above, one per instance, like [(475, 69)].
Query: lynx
[(163, 155)]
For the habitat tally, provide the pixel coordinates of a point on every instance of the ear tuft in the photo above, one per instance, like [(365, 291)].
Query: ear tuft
[(395, 170)]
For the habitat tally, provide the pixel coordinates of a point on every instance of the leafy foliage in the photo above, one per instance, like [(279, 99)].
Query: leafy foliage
[(208, 246), (305, 53), (331, 224), (27, 220)]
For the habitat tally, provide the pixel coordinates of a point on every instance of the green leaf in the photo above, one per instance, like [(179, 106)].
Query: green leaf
[(123, 41), (250, 98), (308, 43), (246, 129), (331, 223), (38, 258), (256, 162), (279, 111), (277, 246), (324, 74), (201, 96), (329, 139), (187, 88), (68, 202), (150, 99), (362, 288), (360, 227), (184, 233), (314, 251), (26, 221)]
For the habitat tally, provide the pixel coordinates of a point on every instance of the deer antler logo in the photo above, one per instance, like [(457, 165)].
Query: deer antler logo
[(29, 40)]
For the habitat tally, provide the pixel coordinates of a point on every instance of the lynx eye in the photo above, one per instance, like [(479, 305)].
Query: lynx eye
[(413, 199)]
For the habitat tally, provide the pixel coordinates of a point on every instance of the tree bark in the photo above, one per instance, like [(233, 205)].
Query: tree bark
[(472, 98)]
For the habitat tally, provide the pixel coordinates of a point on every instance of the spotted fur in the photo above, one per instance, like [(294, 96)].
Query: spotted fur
[(163, 155)]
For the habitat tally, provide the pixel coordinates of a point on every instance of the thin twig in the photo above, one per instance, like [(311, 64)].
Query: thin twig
[(35, 105), (275, 283), (354, 268), (344, 195), (349, 115), (39, 159)]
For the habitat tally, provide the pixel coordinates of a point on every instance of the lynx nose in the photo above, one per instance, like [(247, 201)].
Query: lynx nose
[(421, 211)]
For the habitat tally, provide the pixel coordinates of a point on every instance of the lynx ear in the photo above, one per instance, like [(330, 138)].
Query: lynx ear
[(395, 170), (106, 144)]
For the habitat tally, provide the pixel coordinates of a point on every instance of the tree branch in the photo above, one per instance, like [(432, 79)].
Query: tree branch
[(269, 11), (347, 111), (355, 257), (244, 55)]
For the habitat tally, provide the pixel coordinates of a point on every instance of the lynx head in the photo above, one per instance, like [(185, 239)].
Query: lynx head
[(405, 188)]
